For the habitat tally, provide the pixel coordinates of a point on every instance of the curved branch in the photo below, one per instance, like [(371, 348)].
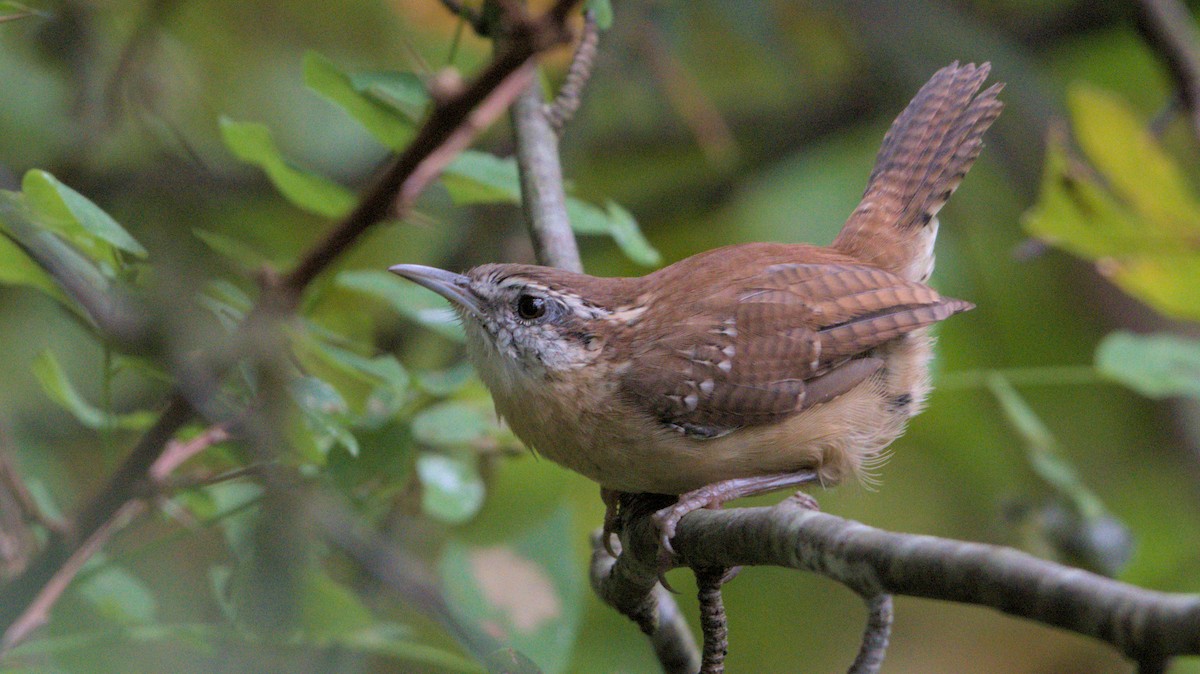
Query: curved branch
[(633, 590), (1147, 626)]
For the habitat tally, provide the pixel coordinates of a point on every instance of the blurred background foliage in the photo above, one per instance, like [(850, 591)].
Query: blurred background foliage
[(224, 135)]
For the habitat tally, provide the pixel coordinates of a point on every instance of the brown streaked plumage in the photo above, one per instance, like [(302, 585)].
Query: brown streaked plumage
[(746, 368)]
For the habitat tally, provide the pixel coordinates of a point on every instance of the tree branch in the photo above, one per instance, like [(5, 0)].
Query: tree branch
[(542, 195), (452, 125), (1147, 626), (633, 590)]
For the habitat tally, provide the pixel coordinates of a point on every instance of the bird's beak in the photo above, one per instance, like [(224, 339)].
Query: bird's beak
[(454, 287)]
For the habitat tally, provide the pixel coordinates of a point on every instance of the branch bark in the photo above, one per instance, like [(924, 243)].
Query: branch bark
[(1147, 626)]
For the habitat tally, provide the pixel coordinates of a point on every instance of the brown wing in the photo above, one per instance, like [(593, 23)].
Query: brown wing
[(792, 336)]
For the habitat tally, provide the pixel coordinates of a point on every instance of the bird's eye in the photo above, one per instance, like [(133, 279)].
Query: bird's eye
[(530, 307)]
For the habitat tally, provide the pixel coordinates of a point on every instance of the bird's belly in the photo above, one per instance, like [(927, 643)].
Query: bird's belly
[(625, 450)]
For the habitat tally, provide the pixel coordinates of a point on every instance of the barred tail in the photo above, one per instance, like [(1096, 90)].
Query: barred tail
[(925, 154)]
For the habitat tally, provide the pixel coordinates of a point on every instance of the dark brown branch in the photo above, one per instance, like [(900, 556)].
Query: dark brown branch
[(1147, 626), (1171, 32), (451, 126)]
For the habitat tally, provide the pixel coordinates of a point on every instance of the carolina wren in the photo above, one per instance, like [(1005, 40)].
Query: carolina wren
[(744, 369)]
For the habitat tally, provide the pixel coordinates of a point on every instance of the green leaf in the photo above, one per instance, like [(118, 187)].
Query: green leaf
[(380, 119), (625, 231), (237, 251), (475, 177), (325, 412), (58, 387), (1045, 456), (510, 661), (119, 596), (330, 610), (528, 591), (405, 92), (450, 424), (16, 268), (452, 490), (444, 383), (1133, 215), (602, 11), (49, 252), (252, 143), (1158, 365), (1133, 163), (75, 217), (378, 385), (409, 299), (479, 177)]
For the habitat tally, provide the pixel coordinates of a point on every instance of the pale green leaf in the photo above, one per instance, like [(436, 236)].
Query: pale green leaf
[(75, 217), (252, 143), (326, 414), (59, 388), (329, 609), (474, 177), (118, 595), (405, 92), (382, 120), (1133, 163), (1156, 365), (452, 490), (237, 251), (450, 423), (16, 268), (625, 231)]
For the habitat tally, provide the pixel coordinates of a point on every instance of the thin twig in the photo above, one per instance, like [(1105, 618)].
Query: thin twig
[(1171, 32), (38, 611), (875, 636), (713, 623), (1145, 625), (570, 94)]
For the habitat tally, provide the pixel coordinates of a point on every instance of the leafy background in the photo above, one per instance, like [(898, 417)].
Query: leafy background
[(222, 136)]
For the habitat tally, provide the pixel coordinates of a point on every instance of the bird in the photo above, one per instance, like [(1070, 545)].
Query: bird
[(746, 369)]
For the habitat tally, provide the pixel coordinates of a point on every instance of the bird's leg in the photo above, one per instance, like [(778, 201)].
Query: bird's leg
[(717, 493)]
